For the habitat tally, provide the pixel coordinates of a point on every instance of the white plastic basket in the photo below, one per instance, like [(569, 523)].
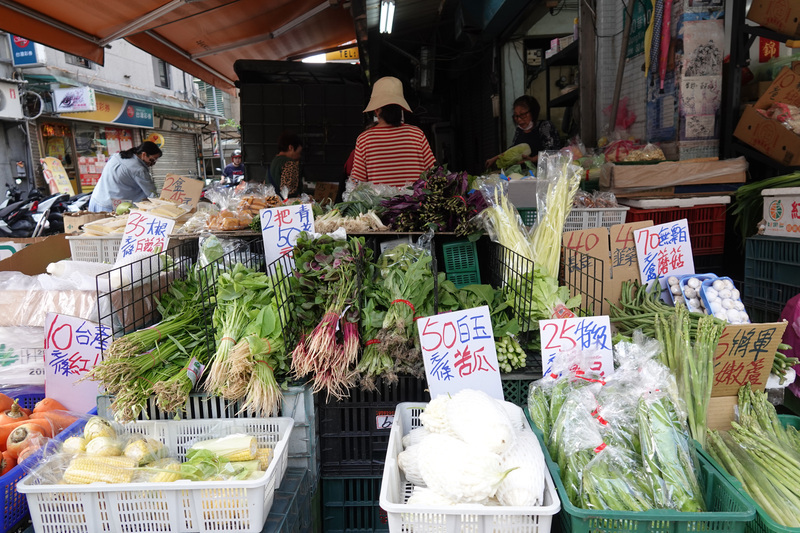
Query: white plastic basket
[(99, 249), (404, 518), (179, 506), (580, 218)]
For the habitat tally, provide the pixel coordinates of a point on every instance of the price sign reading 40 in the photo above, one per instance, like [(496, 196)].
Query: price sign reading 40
[(72, 348), (459, 352), (584, 341)]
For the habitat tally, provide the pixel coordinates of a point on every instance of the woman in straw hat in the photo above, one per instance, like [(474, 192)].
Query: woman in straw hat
[(392, 152)]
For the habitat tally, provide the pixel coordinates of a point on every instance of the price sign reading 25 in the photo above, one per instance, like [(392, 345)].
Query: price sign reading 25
[(588, 338)]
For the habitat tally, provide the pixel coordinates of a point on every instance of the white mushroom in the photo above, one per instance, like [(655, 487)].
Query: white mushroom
[(672, 280), (693, 283), (718, 285)]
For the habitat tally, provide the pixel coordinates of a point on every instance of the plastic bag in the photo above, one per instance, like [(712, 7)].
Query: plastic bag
[(502, 221), (612, 480)]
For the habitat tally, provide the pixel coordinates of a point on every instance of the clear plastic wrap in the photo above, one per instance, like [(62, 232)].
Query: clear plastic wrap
[(501, 219), (362, 194), (668, 455), (563, 180), (612, 480)]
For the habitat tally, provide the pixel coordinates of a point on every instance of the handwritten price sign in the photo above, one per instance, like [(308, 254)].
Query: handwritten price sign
[(280, 227), (72, 348), (744, 355), (459, 353), (185, 191), (589, 335), (664, 250), (144, 232)]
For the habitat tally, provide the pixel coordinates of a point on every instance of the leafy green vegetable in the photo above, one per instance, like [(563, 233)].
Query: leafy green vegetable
[(513, 155)]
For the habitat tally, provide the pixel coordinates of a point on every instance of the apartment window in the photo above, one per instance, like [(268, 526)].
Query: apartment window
[(78, 61), (161, 70)]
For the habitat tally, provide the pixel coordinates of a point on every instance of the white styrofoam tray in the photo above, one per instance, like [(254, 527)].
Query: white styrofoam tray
[(180, 506), (658, 203), (474, 518)]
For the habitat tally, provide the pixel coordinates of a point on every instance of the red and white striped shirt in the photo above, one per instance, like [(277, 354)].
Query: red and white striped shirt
[(392, 155)]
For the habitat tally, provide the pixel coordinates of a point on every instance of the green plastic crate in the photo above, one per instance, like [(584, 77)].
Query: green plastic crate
[(762, 522), (352, 504), (462, 279), (731, 511), (460, 256), (528, 215), (515, 387)]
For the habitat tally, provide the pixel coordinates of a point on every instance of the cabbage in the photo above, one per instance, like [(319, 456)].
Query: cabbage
[(513, 155)]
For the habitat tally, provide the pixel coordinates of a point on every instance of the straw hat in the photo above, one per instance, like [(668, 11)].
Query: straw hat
[(387, 90)]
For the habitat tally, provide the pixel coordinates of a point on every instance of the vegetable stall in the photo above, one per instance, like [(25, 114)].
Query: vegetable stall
[(226, 369)]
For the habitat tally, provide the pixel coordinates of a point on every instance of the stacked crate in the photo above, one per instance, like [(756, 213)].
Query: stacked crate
[(353, 439), (771, 275), (461, 263)]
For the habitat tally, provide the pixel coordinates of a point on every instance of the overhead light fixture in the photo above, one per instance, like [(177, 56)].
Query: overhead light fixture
[(387, 16)]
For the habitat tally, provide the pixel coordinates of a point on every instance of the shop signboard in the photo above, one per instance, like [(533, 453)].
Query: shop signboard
[(580, 344), (280, 227), (75, 100), (117, 110), (72, 348), (459, 352), (146, 233), (25, 53)]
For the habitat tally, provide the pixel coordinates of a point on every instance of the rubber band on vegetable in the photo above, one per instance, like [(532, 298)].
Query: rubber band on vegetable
[(263, 362), (228, 338), (405, 302), (600, 448), (372, 341)]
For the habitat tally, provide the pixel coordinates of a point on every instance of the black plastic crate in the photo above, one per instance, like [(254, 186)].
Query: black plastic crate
[(352, 504), (127, 295), (354, 433), (771, 272)]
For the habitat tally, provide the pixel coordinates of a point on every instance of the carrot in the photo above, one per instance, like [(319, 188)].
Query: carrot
[(13, 414), (23, 436), (48, 404), (7, 463), (60, 420), (5, 402), (29, 450), (5, 431)]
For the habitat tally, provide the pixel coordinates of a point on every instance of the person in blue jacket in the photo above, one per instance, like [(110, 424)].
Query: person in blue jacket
[(126, 176), (234, 171)]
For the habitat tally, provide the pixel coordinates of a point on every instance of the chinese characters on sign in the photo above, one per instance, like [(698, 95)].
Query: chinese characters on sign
[(459, 352), (185, 191), (146, 233), (744, 354), (664, 250), (589, 335), (280, 227), (72, 347)]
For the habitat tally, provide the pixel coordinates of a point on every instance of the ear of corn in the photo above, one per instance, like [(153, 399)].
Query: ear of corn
[(74, 445), (103, 447), (144, 450), (98, 426), (85, 469), (236, 447), (167, 473), (264, 455)]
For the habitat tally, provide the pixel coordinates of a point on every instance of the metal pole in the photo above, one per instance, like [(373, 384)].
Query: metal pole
[(612, 122)]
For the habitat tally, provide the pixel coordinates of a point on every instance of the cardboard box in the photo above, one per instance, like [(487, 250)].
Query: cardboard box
[(73, 222), (782, 16), (755, 90), (782, 212), (673, 173), (325, 190), (614, 247), (767, 135), (40, 252)]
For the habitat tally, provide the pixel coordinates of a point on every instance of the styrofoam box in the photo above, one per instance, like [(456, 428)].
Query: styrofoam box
[(182, 506), (474, 518), (782, 212), (658, 203)]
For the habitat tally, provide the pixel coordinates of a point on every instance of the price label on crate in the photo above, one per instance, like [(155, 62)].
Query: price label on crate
[(744, 354), (585, 341), (72, 348), (384, 419), (280, 227), (664, 250), (459, 352), (146, 233)]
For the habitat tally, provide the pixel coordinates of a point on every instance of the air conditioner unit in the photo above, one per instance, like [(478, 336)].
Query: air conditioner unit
[(10, 103)]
